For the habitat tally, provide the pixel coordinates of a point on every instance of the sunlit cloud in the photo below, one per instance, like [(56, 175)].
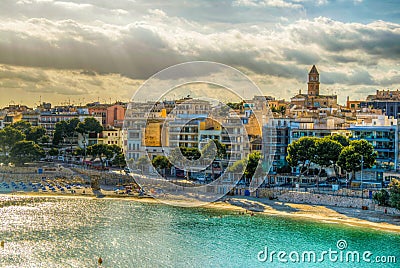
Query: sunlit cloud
[(275, 42)]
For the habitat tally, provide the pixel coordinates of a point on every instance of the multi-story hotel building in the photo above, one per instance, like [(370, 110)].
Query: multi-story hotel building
[(382, 134)]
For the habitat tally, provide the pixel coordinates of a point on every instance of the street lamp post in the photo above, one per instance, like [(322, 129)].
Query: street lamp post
[(362, 166), (65, 150), (84, 151)]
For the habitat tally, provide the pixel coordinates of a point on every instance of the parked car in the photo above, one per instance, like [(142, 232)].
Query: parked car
[(332, 179), (201, 178), (323, 184)]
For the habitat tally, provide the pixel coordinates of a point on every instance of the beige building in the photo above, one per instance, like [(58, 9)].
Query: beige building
[(392, 95), (111, 137)]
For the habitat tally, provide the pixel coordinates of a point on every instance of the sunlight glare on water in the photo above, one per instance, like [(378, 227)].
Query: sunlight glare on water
[(74, 232)]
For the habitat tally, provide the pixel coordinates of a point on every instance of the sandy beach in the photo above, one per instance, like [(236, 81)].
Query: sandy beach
[(253, 207), (328, 214)]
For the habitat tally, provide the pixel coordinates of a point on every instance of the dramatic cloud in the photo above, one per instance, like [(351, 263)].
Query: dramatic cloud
[(24, 84), (273, 41)]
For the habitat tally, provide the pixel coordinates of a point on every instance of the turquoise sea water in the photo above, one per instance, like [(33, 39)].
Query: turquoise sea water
[(66, 232)]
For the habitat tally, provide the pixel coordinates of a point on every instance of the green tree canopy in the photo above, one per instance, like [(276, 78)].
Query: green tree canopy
[(60, 131), (101, 151), (250, 167), (65, 129), (382, 197), (182, 156), (343, 140), (114, 149), (253, 165), (35, 134), (119, 160), (31, 133), (89, 125), (45, 139), (26, 151), (358, 152), (394, 190), (190, 153), (109, 152), (143, 162), (281, 109), (22, 125), (238, 167), (302, 151), (235, 105), (161, 162), (53, 152), (71, 126), (327, 152), (9, 136), (214, 149), (79, 151)]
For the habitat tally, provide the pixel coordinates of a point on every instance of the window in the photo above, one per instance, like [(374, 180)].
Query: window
[(133, 135)]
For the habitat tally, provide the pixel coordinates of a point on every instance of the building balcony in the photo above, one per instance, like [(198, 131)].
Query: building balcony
[(383, 149), (372, 138), (196, 140)]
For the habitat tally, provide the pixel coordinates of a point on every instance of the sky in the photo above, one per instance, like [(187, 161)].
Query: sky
[(80, 51)]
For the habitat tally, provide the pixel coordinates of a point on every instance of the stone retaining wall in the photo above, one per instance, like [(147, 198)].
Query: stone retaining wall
[(392, 211), (350, 200), (105, 178), (324, 199)]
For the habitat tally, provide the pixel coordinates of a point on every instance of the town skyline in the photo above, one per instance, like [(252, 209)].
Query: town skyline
[(71, 51), (199, 90)]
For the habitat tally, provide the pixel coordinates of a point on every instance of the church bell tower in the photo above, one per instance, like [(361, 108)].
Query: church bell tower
[(313, 82)]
